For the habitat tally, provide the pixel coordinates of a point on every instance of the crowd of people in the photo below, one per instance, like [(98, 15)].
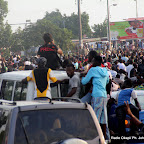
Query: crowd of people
[(101, 72)]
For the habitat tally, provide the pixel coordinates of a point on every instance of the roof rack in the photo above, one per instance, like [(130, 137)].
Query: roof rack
[(7, 102), (68, 99)]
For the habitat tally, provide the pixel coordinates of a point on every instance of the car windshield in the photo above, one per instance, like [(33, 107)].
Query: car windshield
[(48, 126), (3, 122)]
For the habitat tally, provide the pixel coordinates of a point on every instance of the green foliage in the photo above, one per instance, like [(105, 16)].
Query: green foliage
[(100, 30), (31, 36), (72, 23), (17, 40), (85, 24), (62, 27), (3, 10), (5, 29), (6, 36), (56, 18)]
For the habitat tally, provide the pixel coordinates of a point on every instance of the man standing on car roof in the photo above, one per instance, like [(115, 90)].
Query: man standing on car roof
[(41, 77), (49, 50), (100, 78)]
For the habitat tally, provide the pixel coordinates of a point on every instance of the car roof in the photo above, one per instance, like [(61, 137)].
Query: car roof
[(140, 97), (138, 92), (33, 105), (19, 75)]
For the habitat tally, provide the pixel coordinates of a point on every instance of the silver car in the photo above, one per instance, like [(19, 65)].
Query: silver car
[(48, 122)]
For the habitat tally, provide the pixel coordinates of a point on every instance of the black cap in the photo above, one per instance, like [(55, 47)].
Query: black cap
[(41, 61)]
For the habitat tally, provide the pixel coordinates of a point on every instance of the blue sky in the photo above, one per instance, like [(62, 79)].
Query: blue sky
[(22, 10)]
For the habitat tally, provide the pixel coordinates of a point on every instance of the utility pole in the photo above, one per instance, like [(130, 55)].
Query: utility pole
[(108, 24), (80, 26), (136, 9)]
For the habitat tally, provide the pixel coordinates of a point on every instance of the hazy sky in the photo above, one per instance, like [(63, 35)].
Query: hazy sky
[(22, 10)]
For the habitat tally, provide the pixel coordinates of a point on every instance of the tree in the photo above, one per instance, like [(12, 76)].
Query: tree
[(63, 28), (7, 36), (3, 10), (31, 36), (16, 44), (56, 18), (72, 23), (5, 29), (85, 25), (100, 30)]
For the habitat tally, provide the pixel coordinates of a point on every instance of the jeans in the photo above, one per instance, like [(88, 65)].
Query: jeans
[(86, 98)]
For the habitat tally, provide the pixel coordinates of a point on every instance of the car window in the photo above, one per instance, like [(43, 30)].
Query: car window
[(6, 89), (64, 89), (20, 91), (54, 90), (3, 120), (49, 126)]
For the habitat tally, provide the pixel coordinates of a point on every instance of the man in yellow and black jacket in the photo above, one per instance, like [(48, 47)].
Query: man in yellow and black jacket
[(41, 77)]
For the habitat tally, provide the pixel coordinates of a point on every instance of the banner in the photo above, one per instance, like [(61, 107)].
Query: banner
[(127, 30)]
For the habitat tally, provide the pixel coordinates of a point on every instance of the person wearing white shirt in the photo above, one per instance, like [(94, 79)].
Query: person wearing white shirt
[(121, 65), (129, 68), (113, 72), (125, 58)]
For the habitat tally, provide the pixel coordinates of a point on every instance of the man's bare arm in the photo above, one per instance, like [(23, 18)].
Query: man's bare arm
[(59, 51), (72, 92), (133, 118)]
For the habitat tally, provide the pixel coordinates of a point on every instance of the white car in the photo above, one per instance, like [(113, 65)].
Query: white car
[(11, 87), (48, 122)]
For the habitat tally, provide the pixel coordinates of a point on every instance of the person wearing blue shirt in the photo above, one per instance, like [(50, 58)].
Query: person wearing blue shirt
[(126, 94), (99, 45), (100, 78)]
